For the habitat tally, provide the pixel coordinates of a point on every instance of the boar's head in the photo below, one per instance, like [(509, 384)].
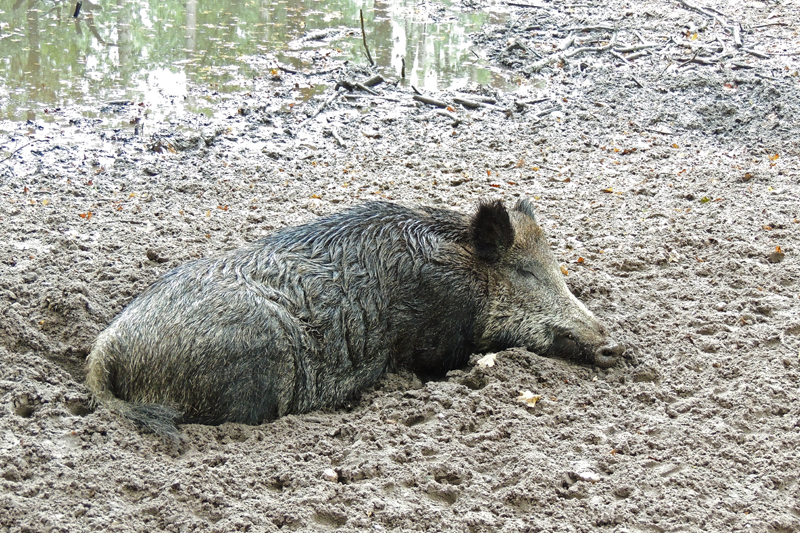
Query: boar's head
[(526, 300)]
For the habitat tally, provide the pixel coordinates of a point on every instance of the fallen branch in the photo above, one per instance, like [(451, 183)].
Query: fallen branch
[(429, 101), (374, 80), (470, 104), (366, 89), (364, 38)]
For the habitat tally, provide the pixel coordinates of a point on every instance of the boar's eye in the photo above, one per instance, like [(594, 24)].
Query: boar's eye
[(529, 274)]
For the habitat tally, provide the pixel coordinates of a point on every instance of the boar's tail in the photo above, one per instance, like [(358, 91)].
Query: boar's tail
[(150, 418)]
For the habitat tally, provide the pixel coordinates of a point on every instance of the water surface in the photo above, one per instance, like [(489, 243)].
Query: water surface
[(177, 56)]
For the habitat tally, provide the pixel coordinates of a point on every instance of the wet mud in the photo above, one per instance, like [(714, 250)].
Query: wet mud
[(669, 186)]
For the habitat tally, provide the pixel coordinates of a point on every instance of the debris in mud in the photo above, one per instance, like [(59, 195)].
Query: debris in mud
[(701, 292)]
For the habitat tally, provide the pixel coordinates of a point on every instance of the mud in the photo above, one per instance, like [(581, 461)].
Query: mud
[(670, 188)]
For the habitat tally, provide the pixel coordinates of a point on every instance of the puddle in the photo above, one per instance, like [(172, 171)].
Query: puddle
[(173, 57)]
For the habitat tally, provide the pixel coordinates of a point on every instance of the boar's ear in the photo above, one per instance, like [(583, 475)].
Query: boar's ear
[(492, 232), (526, 208)]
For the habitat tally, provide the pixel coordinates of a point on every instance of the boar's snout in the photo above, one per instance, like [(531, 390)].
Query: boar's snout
[(607, 355), (568, 345)]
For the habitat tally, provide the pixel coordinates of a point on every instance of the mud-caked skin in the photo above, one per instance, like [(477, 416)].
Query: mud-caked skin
[(311, 315)]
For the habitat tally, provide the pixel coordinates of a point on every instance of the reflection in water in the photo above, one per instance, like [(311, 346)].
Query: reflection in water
[(160, 52)]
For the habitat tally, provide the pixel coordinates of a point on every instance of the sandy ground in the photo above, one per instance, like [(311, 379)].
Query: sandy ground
[(669, 185)]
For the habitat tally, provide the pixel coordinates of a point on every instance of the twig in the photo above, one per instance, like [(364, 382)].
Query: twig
[(371, 97), (619, 56), (567, 42), (635, 47), (561, 56), (702, 11), (338, 138), (364, 38), (663, 71), (754, 53), (592, 28), (737, 35), (519, 4), (531, 102), (452, 116), (544, 112), (328, 102), (20, 148), (287, 70), (637, 55), (478, 98)]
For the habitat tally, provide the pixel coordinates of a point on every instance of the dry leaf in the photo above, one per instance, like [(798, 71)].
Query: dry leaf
[(564, 270), (487, 360), (528, 398)]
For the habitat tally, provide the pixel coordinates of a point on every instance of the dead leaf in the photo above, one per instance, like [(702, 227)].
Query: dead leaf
[(487, 360), (528, 398), (564, 270)]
